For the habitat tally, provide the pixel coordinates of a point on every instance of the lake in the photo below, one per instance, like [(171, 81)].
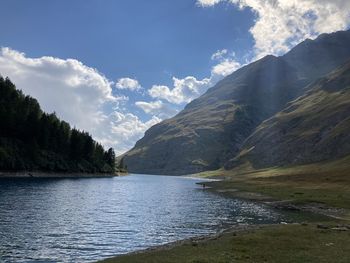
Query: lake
[(84, 220)]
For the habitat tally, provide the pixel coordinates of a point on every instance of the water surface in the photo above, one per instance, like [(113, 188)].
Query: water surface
[(84, 220)]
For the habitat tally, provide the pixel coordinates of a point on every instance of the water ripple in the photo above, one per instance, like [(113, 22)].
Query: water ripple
[(84, 220)]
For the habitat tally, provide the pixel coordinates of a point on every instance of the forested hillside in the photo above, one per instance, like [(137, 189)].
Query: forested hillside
[(32, 140)]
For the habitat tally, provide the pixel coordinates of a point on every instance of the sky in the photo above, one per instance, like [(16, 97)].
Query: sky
[(115, 68)]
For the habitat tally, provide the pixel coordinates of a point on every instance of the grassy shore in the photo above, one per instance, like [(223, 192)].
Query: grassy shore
[(284, 243), (322, 188), (323, 183)]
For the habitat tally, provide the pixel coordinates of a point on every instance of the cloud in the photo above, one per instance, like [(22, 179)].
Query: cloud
[(206, 3), (67, 87), (157, 108), (78, 94), (281, 24), (183, 91), (189, 88), (127, 128), (227, 64), (128, 83), (219, 54)]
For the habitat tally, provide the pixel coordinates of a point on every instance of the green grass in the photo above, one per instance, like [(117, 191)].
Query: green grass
[(285, 243), (327, 183)]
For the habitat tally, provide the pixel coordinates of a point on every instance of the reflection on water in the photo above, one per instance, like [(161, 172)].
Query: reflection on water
[(83, 220)]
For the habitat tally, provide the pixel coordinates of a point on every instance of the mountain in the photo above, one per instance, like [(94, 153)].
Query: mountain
[(212, 129), (313, 128), (32, 140)]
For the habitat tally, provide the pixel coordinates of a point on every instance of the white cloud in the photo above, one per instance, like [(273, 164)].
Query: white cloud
[(189, 88), (78, 94), (281, 24), (127, 128), (183, 91), (128, 83), (225, 68), (206, 3), (67, 87), (157, 108), (219, 54)]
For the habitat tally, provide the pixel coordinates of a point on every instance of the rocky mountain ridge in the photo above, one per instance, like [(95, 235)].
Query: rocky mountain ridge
[(212, 129), (313, 128)]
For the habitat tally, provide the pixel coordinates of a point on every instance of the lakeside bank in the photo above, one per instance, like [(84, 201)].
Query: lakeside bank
[(322, 189), (273, 244), (58, 175)]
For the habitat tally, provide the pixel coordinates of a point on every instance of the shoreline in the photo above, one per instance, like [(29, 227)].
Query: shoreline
[(193, 241), (237, 243), (280, 204), (10, 175), (333, 216)]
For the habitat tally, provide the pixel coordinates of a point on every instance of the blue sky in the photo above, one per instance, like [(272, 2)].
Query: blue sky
[(138, 62), (152, 40)]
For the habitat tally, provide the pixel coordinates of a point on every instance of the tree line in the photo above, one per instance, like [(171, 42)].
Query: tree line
[(32, 140)]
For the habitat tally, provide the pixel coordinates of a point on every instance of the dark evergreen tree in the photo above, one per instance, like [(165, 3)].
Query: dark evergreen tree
[(36, 141), (110, 158)]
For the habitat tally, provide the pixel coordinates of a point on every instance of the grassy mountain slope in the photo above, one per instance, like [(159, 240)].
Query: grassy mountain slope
[(313, 128), (211, 129)]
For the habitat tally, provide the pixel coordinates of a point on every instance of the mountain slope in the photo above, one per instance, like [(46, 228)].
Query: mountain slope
[(313, 128), (317, 58), (212, 128)]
